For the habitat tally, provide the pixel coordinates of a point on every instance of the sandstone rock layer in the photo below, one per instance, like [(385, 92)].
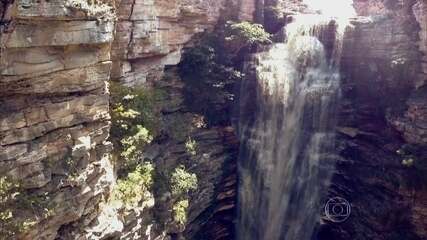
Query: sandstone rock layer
[(54, 111)]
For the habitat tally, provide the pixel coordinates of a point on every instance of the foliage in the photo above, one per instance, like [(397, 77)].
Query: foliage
[(101, 10), (210, 70), (7, 188), (245, 33), (209, 79), (191, 146), (201, 57), (130, 144), (134, 187), (135, 121), (180, 211), (9, 191), (273, 12), (13, 200), (182, 182)]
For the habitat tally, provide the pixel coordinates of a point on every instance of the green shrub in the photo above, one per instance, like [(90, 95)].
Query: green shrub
[(245, 33), (210, 70), (201, 58), (180, 211), (14, 199), (182, 182), (274, 18), (131, 190), (8, 189), (131, 143), (135, 121), (135, 105), (191, 146)]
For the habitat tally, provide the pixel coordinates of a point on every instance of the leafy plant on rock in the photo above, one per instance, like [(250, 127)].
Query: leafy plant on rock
[(16, 205), (191, 146), (211, 69), (244, 34), (134, 121), (180, 211), (133, 189), (181, 183)]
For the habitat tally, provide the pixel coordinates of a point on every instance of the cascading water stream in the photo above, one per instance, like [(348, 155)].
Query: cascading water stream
[(287, 141)]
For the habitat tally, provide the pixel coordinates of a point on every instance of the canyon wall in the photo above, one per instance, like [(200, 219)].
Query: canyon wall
[(57, 57), (151, 35), (54, 113), (382, 124)]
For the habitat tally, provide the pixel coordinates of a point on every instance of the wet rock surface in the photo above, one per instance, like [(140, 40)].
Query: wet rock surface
[(382, 113)]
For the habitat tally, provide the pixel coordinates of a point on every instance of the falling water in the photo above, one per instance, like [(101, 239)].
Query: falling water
[(287, 131)]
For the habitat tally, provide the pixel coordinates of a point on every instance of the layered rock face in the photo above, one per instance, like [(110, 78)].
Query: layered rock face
[(382, 124), (57, 55), (413, 122), (212, 205), (56, 58), (151, 35), (54, 112)]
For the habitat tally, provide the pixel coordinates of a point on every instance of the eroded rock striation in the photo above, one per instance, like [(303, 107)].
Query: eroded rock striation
[(54, 113), (56, 59), (57, 56), (382, 124), (151, 35)]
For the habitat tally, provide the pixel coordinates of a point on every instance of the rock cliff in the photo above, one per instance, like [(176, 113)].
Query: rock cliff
[(54, 114), (57, 56), (56, 60), (151, 35), (382, 124)]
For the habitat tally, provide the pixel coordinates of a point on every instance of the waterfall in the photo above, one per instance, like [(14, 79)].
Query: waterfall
[(287, 131)]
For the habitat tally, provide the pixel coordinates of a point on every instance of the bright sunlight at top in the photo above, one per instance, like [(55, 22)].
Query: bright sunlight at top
[(332, 8)]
